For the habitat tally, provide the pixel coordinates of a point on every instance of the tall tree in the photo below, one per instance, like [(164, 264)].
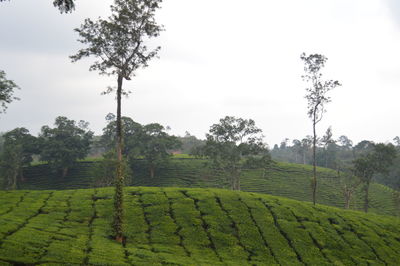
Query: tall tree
[(317, 98), (156, 145), (234, 143), (377, 161), (64, 144), (119, 43), (19, 146), (7, 88)]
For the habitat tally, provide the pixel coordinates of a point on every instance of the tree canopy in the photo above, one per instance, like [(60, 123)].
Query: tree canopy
[(233, 143), (64, 144), (7, 88), (19, 146), (316, 98), (377, 161), (119, 45)]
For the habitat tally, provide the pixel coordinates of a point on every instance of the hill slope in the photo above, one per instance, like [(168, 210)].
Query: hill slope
[(180, 226), (282, 179)]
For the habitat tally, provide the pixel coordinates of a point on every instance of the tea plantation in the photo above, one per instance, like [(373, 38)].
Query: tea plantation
[(281, 179), (186, 226)]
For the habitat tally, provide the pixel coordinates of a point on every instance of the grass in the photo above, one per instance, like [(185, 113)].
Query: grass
[(282, 179), (189, 226)]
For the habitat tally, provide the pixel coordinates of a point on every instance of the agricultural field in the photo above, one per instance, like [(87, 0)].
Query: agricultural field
[(186, 226), (281, 179)]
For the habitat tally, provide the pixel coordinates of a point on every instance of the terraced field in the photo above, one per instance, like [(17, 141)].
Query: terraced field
[(282, 179), (182, 226)]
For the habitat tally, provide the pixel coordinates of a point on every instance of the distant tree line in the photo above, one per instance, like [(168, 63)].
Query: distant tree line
[(356, 165), (68, 141)]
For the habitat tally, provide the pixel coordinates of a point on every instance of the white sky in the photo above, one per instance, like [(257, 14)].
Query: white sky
[(218, 58)]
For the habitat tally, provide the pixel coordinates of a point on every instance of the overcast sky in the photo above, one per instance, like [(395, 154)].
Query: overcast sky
[(218, 58)]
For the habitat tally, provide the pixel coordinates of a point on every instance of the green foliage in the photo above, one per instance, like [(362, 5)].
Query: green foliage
[(317, 98), (64, 144), (149, 142), (190, 143), (235, 142), (104, 171), (131, 131), (156, 145), (120, 45), (18, 148), (377, 161), (7, 88), (182, 226)]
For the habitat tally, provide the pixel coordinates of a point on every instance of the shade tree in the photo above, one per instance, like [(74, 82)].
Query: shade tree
[(7, 88), (64, 144), (119, 45), (317, 98), (18, 148), (377, 161), (234, 143)]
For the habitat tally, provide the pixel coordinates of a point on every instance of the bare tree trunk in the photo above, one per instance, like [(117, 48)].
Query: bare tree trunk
[(151, 171), (326, 159), (14, 180), (21, 175), (118, 198), (366, 199), (314, 182), (347, 197)]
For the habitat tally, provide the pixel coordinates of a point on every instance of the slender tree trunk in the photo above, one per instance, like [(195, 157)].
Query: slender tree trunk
[(347, 197), (151, 171), (366, 199), (326, 159), (21, 175), (119, 182), (64, 172), (314, 182), (14, 180), (237, 179), (232, 178)]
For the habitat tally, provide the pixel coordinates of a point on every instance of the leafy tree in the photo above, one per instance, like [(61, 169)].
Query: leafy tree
[(156, 145), (19, 146), (7, 88), (317, 98), (345, 142), (306, 146), (64, 144), (377, 161), (190, 143), (131, 132), (119, 45), (327, 141), (104, 172), (396, 141), (297, 149), (362, 148), (63, 5), (233, 143), (349, 182)]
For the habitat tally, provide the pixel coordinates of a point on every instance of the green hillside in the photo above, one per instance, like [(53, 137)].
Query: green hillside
[(283, 179), (181, 226)]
